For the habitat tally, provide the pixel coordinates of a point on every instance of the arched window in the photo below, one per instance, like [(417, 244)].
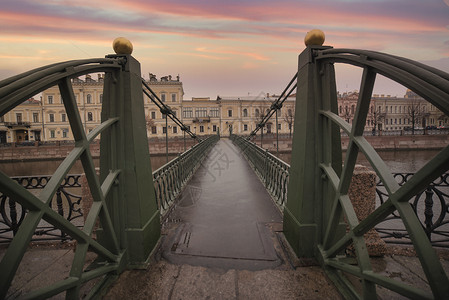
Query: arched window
[(290, 113), (90, 116), (257, 112), (245, 112), (89, 98)]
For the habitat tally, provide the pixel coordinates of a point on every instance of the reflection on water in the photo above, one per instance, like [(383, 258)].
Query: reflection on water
[(48, 167), (409, 161)]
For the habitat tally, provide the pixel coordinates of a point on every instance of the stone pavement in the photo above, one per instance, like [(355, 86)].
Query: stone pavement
[(223, 241)]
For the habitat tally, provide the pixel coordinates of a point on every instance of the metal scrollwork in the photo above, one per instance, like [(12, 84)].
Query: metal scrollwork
[(430, 205), (65, 202)]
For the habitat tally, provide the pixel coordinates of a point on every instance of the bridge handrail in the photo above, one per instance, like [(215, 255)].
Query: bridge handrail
[(170, 179), (273, 172), (319, 181), (129, 228)]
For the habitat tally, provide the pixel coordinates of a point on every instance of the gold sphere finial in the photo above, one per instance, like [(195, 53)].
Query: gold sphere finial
[(314, 37), (122, 45)]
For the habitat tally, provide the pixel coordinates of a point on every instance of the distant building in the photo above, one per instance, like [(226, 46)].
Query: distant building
[(22, 124), (47, 120)]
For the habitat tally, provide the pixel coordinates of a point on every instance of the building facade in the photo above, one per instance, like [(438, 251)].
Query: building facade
[(46, 119)]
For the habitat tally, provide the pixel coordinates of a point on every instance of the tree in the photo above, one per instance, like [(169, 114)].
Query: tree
[(149, 122), (289, 117), (377, 117), (415, 112)]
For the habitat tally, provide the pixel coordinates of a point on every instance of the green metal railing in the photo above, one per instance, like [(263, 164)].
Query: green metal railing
[(124, 213), (272, 171), (319, 219), (173, 176)]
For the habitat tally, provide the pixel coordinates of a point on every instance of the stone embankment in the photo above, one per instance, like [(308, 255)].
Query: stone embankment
[(60, 150), (386, 143)]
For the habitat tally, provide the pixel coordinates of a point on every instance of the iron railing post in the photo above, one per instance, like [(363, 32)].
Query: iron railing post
[(303, 213), (132, 204)]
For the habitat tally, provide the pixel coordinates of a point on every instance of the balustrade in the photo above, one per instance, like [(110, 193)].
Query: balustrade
[(272, 171)]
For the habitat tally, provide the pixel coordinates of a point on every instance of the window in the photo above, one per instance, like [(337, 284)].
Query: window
[(163, 97), (386, 121), (201, 128), (52, 134), (164, 129), (65, 132), (52, 117), (214, 128), (89, 99), (175, 129), (245, 127), (201, 112), (101, 98), (279, 126), (257, 113), (173, 97), (35, 117), (245, 112), (63, 118), (187, 112), (153, 115), (50, 99), (214, 112), (174, 113), (153, 130), (290, 126), (19, 117), (229, 112), (89, 116)]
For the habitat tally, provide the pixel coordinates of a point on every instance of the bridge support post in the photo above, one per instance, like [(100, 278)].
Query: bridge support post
[(132, 204), (306, 209)]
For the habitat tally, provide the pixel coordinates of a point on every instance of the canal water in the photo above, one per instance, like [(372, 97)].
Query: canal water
[(404, 161), (48, 167), (408, 161)]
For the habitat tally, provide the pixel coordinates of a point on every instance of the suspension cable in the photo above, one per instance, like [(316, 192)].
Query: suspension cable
[(166, 110), (276, 105)]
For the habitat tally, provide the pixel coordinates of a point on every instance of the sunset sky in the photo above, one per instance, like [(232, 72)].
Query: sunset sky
[(226, 48)]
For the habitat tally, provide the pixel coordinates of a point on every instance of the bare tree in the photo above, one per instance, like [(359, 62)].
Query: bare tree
[(415, 113), (149, 122), (377, 117), (289, 118)]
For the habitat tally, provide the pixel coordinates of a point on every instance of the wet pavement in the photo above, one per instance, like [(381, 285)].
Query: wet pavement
[(225, 218), (223, 241)]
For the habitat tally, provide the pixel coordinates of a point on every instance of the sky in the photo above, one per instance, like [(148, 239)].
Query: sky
[(226, 48)]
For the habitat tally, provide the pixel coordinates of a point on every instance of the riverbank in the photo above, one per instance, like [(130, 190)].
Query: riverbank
[(59, 150), (382, 143), (157, 147)]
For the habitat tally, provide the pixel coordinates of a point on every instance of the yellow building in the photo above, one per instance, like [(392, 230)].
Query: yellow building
[(46, 120), (22, 124)]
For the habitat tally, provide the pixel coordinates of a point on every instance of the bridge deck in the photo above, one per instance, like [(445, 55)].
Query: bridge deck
[(225, 218)]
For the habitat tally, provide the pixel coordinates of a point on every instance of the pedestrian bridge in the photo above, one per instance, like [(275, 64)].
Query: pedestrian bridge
[(225, 215)]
